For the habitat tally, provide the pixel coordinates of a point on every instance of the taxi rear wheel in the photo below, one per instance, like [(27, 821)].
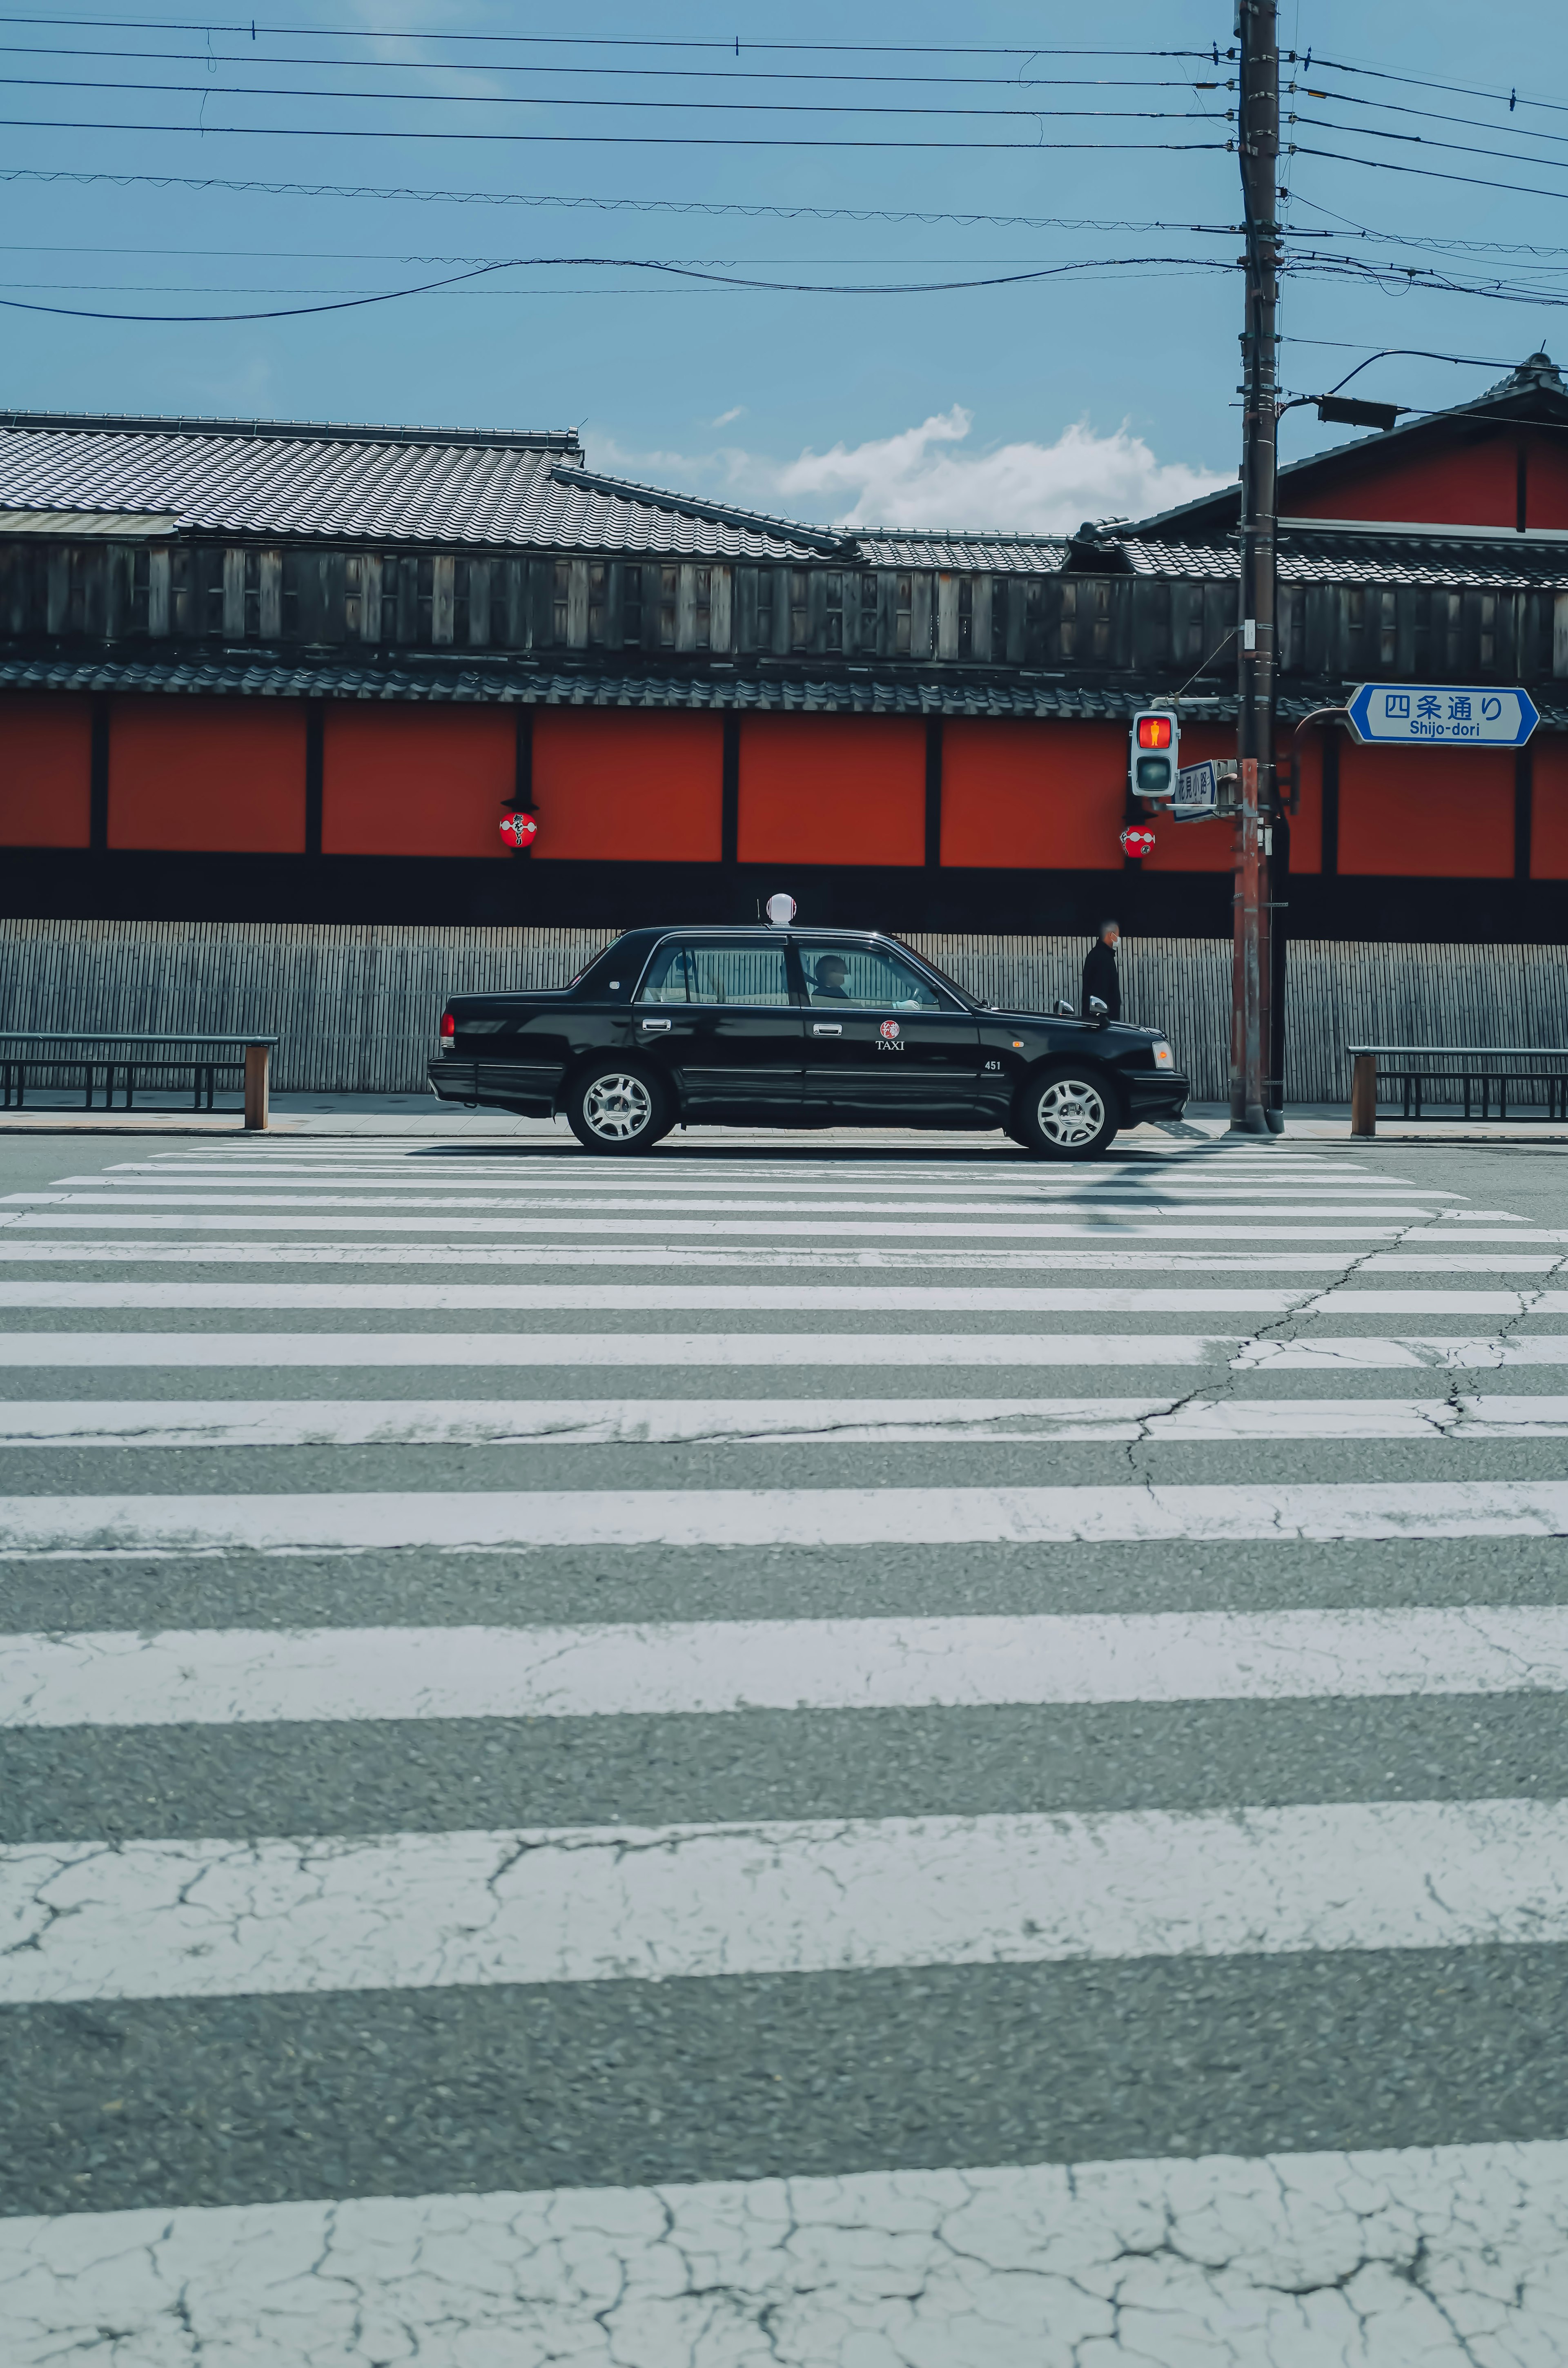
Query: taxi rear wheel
[(1064, 1113), (619, 1107)]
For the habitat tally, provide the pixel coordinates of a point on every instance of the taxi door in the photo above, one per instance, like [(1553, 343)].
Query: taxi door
[(884, 1042), (722, 1017)]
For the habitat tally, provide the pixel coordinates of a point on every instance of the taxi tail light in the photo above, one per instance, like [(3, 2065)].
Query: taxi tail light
[(449, 1025)]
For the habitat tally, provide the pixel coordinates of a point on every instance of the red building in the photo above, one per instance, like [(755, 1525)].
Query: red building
[(272, 672)]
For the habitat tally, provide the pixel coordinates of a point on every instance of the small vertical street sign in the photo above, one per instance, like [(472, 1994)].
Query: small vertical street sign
[(1437, 715), (1197, 795)]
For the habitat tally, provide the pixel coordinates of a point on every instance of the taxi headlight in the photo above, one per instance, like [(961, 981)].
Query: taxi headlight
[(1164, 1057)]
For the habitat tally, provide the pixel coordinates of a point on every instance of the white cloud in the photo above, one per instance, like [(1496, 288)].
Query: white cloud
[(726, 418), (932, 476)]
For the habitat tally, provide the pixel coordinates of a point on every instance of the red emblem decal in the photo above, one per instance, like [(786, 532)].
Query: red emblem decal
[(889, 1029), (1137, 842), (519, 829)]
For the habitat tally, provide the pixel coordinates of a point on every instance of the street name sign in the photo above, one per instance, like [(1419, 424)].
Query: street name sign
[(1442, 715), (1197, 795)]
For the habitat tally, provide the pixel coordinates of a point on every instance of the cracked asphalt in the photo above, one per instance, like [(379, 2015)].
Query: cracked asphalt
[(861, 2150)]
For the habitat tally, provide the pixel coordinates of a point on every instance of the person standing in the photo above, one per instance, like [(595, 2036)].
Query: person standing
[(1100, 976)]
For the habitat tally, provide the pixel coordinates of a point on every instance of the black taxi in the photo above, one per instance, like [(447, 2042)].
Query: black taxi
[(796, 1027)]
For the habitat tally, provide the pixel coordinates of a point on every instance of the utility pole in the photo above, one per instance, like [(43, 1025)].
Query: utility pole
[(1254, 1096)]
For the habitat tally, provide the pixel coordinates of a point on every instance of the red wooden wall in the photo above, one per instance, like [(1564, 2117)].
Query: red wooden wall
[(1033, 796), (224, 776), (1472, 482), (1548, 827), (416, 780), (623, 786), (832, 789), (1426, 814), (45, 771), (645, 788)]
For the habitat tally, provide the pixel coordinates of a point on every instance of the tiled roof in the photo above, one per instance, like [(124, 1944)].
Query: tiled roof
[(1369, 558), (999, 554), (391, 484), (599, 513), (532, 687), (466, 684)]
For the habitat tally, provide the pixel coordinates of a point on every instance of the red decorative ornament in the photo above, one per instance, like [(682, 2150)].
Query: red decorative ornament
[(519, 829), (889, 1029), (1137, 841)]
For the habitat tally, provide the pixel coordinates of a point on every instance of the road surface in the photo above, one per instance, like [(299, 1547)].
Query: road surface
[(787, 1753)]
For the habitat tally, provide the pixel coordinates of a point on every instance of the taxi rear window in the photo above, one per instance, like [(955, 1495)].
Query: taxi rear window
[(691, 971)]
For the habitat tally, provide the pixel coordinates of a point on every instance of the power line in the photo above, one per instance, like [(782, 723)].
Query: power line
[(1392, 353), (708, 287), (1423, 172), (624, 263), (1511, 98), (1421, 114), (643, 72), (1352, 229), (1419, 140), (668, 106), (618, 139), (248, 28), (747, 209)]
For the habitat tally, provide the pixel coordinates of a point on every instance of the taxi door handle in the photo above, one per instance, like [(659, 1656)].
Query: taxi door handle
[(653, 1024), (827, 1028)]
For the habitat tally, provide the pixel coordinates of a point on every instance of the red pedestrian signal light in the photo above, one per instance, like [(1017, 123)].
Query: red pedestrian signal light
[(1152, 758)]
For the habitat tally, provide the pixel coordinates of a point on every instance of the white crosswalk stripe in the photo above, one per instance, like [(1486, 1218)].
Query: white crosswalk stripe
[(442, 1521), (1045, 2265), (711, 1667), (338, 1693), (383, 1351), (207, 1919), (596, 1422)]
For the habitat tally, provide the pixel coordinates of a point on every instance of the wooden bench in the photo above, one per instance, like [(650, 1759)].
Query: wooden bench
[(242, 1063), (1467, 1074)]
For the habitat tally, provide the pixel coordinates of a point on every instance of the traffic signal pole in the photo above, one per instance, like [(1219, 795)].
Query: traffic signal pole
[(1256, 1099)]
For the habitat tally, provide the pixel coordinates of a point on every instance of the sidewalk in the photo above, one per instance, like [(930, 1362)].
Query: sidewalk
[(420, 1115)]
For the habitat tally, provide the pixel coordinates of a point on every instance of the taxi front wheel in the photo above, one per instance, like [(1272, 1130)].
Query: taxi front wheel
[(619, 1106), (1064, 1114)]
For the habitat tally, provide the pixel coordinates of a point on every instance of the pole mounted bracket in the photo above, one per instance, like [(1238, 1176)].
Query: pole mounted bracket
[(1318, 715)]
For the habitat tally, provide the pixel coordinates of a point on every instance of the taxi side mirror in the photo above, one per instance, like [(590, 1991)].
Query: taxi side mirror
[(1063, 1010), (1099, 1012)]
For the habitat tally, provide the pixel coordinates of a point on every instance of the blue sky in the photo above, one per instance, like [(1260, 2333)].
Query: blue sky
[(1105, 392)]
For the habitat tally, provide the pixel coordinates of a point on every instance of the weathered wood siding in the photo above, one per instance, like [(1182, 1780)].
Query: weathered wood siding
[(358, 1008), (147, 597)]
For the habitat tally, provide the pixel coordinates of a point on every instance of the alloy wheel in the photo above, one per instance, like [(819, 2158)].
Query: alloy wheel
[(618, 1108), (1069, 1113)]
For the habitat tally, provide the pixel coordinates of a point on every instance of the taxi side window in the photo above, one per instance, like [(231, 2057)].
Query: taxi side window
[(691, 972), (867, 977)]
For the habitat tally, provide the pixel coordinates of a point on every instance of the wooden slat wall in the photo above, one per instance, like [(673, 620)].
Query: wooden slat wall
[(358, 1008), (99, 593)]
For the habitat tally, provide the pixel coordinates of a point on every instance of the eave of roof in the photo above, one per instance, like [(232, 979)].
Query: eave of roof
[(461, 683), (289, 431), (1533, 390), (815, 539)]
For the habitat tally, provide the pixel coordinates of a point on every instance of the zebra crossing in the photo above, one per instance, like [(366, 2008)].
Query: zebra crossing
[(833, 1756)]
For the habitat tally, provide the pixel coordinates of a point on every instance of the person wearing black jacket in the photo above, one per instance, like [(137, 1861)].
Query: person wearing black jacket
[(1100, 974)]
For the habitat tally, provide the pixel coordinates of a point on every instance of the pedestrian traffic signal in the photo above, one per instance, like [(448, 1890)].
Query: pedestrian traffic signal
[(1153, 755)]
